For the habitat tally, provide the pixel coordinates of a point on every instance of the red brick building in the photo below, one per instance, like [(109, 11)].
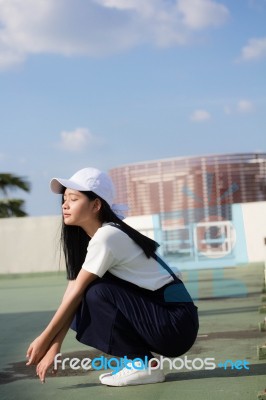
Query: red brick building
[(191, 183)]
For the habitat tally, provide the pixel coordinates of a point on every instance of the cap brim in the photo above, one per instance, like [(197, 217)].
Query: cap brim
[(58, 185)]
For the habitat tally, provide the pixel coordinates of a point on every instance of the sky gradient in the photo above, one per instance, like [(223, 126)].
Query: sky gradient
[(104, 83)]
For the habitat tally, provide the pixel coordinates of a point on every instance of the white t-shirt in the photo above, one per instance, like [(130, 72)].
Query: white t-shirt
[(111, 249)]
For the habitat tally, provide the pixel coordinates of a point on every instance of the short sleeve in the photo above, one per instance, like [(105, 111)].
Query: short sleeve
[(99, 258)]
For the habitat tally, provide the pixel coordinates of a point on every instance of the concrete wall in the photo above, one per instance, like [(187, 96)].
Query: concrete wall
[(29, 244)]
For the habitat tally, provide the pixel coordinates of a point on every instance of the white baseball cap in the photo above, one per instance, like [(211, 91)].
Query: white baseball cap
[(90, 179), (87, 179)]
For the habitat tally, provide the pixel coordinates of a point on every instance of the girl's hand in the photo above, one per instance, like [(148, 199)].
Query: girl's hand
[(46, 362), (37, 350)]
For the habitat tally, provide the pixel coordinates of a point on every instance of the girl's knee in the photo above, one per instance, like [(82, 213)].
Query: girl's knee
[(96, 292)]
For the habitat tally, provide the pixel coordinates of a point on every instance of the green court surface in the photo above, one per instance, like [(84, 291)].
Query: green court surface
[(228, 302)]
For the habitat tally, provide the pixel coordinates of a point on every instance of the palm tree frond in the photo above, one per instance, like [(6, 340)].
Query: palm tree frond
[(12, 208), (10, 181)]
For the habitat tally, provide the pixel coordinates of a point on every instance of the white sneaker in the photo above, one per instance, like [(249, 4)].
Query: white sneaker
[(105, 374), (132, 375)]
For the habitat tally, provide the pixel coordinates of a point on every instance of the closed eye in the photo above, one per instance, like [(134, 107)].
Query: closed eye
[(71, 199)]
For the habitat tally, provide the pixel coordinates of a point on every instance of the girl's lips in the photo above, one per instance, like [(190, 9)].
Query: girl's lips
[(66, 215)]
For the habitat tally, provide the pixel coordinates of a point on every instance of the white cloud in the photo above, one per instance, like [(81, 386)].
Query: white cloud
[(242, 106), (99, 27), (77, 140), (195, 14), (254, 50), (198, 14), (200, 116), (245, 106)]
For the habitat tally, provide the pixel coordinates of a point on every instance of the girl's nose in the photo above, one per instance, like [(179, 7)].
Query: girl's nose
[(65, 205)]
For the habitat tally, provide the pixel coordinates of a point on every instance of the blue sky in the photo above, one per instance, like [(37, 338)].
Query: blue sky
[(109, 82)]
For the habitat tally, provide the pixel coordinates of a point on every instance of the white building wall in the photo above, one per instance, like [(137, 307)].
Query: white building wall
[(143, 223), (254, 217)]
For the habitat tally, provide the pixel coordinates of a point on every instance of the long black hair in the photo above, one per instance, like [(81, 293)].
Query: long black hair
[(75, 241)]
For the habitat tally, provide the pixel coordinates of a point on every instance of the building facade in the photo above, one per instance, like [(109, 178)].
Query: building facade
[(192, 198)]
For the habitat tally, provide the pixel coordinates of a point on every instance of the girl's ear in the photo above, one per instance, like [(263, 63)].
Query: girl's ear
[(97, 204)]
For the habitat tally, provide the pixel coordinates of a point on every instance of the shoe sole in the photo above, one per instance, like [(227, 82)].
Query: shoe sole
[(134, 383)]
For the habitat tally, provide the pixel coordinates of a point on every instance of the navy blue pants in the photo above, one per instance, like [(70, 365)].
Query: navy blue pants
[(122, 319)]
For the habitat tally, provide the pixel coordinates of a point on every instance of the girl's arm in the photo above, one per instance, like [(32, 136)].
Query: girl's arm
[(65, 313), (55, 346), (69, 288), (48, 360)]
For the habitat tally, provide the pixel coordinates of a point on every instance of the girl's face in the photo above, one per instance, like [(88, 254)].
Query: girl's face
[(78, 210)]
